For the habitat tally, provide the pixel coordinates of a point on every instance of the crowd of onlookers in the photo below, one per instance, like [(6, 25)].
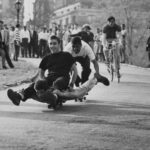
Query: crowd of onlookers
[(33, 42)]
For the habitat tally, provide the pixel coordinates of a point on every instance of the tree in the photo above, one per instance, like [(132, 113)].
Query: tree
[(42, 12), (136, 22), (129, 25)]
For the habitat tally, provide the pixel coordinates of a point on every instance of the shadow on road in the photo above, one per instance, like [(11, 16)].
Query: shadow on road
[(88, 109)]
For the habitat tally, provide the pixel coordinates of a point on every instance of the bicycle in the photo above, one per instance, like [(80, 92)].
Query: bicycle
[(114, 60)]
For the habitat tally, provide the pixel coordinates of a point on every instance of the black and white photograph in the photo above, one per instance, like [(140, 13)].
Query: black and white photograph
[(74, 74)]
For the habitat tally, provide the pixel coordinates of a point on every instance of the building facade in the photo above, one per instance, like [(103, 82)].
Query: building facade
[(62, 3), (64, 12), (76, 13)]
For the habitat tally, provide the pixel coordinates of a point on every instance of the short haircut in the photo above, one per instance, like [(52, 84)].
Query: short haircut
[(54, 37), (111, 18), (76, 41)]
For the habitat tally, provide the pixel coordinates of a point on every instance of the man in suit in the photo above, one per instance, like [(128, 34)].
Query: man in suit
[(2, 52), (5, 41), (30, 48), (35, 43)]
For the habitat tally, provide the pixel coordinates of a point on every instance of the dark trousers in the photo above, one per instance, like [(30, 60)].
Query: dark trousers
[(17, 48), (42, 48), (6, 49), (24, 47), (54, 81), (34, 49), (2, 54), (85, 63), (30, 49)]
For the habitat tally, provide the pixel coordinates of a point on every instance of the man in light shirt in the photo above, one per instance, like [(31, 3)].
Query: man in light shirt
[(83, 54), (25, 40), (43, 42), (17, 42)]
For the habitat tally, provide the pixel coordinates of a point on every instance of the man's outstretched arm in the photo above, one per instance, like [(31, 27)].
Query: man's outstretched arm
[(78, 92)]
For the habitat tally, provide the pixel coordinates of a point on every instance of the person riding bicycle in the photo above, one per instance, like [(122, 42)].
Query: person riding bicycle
[(58, 64), (111, 32), (83, 54)]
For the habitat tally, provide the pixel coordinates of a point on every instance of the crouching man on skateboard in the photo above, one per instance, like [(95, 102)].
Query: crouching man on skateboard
[(51, 88), (58, 64)]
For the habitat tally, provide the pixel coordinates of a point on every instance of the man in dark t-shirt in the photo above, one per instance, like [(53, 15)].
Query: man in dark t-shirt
[(58, 65), (111, 33)]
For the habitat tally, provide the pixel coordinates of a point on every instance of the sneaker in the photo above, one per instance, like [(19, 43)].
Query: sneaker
[(102, 79), (14, 97)]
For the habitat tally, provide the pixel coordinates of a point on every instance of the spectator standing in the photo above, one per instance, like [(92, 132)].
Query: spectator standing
[(75, 29), (123, 43), (60, 36), (25, 40), (43, 42), (17, 42), (66, 36), (30, 47), (2, 52), (5, 41), (98, 46), (35, 43), (11, 41)]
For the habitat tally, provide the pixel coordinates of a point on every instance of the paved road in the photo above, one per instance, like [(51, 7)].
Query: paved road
[(114, 117)]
